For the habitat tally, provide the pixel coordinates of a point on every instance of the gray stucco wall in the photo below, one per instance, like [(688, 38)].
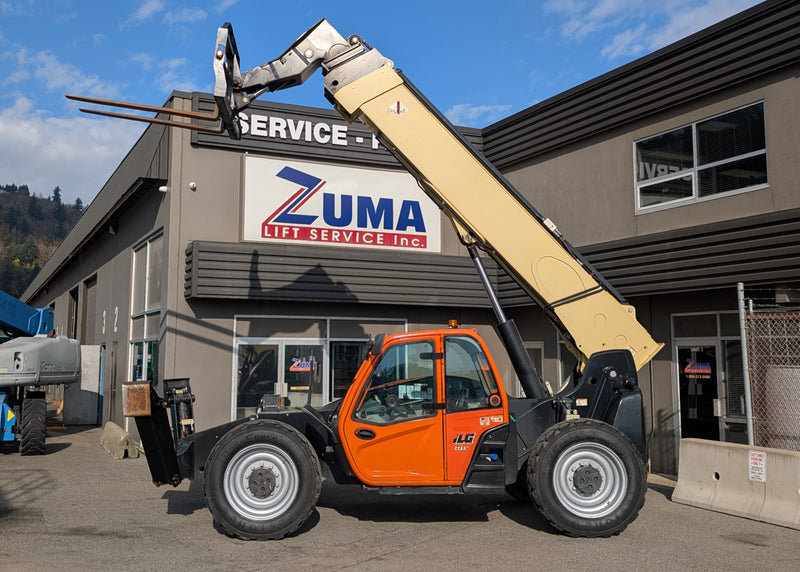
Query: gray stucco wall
[(588, 189)]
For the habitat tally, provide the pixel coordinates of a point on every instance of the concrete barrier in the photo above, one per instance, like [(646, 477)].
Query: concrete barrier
[(117, 442), (753, 482)]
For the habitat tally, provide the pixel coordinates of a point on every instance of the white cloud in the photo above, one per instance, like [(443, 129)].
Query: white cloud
[(14, 8), (145, 12), (694, 18), (629, 42), (145, 61), (170, 74), (184, 16), (17, 76), (77, 154), (173, 75), (638, 27), (223, 5), (467, 115), (586, 17), (54, 74)]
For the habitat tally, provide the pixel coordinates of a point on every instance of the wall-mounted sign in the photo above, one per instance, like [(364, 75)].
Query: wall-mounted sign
[(297, 202), (286, 128)]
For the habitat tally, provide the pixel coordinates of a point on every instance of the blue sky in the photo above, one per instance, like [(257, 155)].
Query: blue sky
[(478, 61)]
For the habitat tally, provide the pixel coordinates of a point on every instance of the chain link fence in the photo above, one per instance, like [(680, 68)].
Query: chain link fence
[(773, 351)]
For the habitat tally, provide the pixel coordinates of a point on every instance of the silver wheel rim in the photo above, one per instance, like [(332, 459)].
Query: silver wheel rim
[(261, 458), (601, 462)]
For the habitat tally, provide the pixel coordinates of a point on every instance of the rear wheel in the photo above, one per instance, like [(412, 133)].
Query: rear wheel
[(262, 480), (587, 478), (33, 426)]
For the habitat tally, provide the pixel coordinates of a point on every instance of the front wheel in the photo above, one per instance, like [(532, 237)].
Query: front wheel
[(262, 480), (33, 426), (587, 478)]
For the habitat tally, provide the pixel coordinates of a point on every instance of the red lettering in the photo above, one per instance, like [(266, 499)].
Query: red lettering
[(333, 236)]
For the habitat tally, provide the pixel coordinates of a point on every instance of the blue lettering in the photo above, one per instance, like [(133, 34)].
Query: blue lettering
[(329, 210), (305, 180), (410, 215), (375, 213)]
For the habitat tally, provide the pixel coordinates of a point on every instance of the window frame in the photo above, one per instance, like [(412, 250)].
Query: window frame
[(695, 170), (140, 344), (333, 329), (431, 399), (478, 374)]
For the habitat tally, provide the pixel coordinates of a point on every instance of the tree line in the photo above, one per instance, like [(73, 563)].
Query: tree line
[(31, 228)]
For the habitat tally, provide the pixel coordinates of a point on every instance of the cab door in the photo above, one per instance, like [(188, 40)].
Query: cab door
[(394, 435), (474, 403)]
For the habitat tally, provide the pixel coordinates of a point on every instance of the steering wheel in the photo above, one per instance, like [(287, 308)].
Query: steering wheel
[(392, 408)]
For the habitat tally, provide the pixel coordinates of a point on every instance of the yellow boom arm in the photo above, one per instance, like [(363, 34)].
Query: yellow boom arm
[(486, 210), (489, 212)]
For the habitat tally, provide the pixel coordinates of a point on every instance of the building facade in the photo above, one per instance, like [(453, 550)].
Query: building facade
[(234, 263)]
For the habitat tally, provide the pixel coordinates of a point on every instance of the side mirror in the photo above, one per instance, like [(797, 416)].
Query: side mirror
[(375, 346)]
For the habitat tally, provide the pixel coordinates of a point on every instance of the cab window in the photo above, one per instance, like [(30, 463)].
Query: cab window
[(402, 385), (469, 381)]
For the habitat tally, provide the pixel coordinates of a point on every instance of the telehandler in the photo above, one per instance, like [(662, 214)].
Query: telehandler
[(427, 412)]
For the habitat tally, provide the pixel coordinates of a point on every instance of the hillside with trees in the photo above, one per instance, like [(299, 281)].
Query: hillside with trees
[(31, 228)]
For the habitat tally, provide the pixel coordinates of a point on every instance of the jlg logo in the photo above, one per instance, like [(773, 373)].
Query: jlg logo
[(461, 438)]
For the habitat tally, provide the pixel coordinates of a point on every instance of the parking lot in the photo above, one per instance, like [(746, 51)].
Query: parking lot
[(76, 508)]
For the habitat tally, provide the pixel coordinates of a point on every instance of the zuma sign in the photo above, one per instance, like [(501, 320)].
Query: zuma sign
[(307, 203)]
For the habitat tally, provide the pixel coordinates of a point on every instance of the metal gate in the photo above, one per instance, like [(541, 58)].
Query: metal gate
[(773, 353)]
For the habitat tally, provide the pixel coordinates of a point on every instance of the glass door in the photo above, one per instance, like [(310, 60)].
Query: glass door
[(346, 358), (698, 390), (269, 366), (303, 373), (256, 375)]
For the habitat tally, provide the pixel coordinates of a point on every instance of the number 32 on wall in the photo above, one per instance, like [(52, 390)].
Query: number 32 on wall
[(116, 320)]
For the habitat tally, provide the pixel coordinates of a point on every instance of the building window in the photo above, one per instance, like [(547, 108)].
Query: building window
[(300, 356), (146, 309), (72, 318), (346, 358), (715, 157)]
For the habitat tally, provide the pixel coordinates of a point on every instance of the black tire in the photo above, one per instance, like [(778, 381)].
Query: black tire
[(587, 478), (33, 426), (262, 480)]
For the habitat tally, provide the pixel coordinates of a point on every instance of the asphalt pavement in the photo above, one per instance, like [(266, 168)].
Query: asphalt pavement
[(75, 508)]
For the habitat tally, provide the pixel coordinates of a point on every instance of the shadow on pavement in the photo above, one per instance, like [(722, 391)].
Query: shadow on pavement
[(370, 506), (20, 488), (351, 500), (662, 484), (662, 490), (185, 502), (525, 514), (9, 448), (50, 448)]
